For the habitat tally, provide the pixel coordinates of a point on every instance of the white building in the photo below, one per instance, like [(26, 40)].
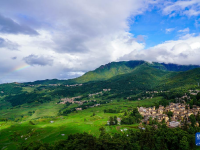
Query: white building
[(174, 124)]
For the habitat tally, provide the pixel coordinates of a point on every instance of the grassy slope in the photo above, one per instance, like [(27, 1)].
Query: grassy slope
[(187, 79), (139, 77), (82, 121), (107, 71)]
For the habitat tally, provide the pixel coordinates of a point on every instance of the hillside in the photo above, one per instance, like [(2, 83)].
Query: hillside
[(33, 111), (107, 71), (110, 70)]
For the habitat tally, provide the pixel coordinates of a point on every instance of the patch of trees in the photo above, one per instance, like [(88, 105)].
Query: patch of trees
[(172, 94), (9, 89), (111, 111), (27, 98), (113, 120), (132, 117), (195, 100), (149, 139)]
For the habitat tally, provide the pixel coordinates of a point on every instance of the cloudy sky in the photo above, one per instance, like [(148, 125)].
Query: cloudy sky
[(63, 39)]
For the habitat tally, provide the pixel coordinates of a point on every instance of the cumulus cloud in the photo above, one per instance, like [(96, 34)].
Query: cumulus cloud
[(74, 37), (185, 51), (186, 7), (80, 35), (7, 25), (38, 60), (4, 43)]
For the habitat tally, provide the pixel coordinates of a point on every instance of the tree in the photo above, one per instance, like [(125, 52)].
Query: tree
[(125, 113), (170, 114), (184, 145), (150, 121), (193, 120), (115, 120), (111, 120), (191, 103), (102, 130), (198, 96)]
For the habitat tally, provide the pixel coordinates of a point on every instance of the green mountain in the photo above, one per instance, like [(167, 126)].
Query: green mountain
[(112, 69), (107, 71)]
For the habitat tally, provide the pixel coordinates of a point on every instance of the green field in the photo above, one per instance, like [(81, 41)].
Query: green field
[(12, 133)]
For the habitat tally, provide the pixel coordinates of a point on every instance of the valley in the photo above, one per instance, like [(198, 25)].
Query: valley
[(103, 102)]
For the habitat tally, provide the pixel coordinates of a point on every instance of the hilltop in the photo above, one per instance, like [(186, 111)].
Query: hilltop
[(107, 71)]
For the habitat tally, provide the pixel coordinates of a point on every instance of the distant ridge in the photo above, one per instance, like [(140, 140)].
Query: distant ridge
[(110, 70)]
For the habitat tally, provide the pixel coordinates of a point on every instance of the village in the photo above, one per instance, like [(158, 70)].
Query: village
[(72, 101), (180, 112)]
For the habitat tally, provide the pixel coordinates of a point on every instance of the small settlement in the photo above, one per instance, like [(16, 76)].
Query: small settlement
[(179, 113)]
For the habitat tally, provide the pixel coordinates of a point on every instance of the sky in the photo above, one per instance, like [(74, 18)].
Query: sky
[(63, 39)]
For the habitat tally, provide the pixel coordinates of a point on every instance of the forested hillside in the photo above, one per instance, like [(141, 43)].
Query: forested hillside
[(51, 110)]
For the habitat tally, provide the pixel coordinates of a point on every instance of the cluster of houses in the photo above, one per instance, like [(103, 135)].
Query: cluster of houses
[(106, 90), (145, 98), (71, 100), (194, 92), (73, 85), (95, 105), (58, 85), (35, 85), (150, 92), (54, 84), (92, 95), (99, 93), (180, 111)]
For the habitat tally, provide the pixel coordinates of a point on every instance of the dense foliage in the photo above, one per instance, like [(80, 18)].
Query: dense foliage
[(133, 117), (149, 139)]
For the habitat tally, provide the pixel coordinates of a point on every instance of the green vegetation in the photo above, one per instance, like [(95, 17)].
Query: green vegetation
[(32, 116), (148, 139)]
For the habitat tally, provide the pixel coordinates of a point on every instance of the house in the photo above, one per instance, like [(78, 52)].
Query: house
[(174, 124)]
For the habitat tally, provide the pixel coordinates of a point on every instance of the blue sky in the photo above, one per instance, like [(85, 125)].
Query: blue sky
[(153, 25), (64, 39)]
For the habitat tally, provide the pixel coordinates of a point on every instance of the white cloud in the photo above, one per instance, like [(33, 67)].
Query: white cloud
[(186, 7), (77, 36), (183, 51), (169, 30), (197, 23), (185, 30)]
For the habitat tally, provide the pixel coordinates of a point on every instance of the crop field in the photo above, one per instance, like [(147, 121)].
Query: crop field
[(46, 126)]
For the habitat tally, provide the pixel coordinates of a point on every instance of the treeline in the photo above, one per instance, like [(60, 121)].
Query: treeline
[(66, 110), (28, 98), (151, 138), (111, 110), (8, 89)]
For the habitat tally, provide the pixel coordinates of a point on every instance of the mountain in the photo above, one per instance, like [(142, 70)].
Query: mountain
[(107, 71), (112, 69)]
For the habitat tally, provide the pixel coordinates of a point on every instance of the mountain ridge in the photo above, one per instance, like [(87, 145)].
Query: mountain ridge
[(107, 71), (112, 69)]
